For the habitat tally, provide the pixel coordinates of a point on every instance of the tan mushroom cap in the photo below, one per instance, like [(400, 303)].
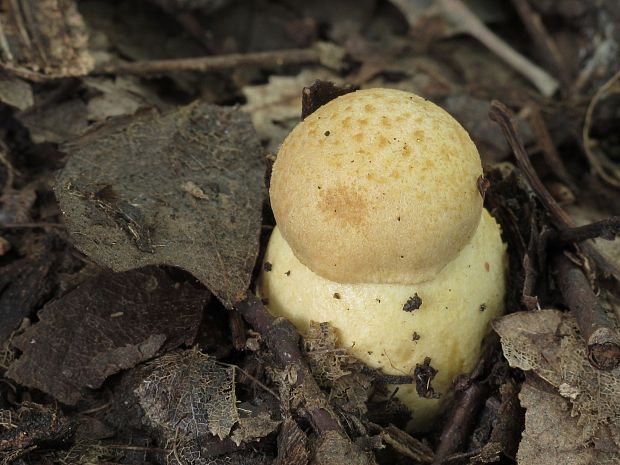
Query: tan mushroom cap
[(377, 186)]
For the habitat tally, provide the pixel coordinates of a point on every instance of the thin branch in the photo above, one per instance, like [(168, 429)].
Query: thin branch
[(505, 119), (268, 59), (603, 343), (543, 41), (468, 21), (607, 229)]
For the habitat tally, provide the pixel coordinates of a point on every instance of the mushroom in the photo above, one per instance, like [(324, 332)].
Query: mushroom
[(382, 233)]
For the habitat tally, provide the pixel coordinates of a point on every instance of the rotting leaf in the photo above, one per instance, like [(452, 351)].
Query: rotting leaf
[(189, 393), (552, 435), (43, 39), (31, 424), (253, 425), (151, 219), (107, 324), (292, 445), (547, 342), (327, 362)]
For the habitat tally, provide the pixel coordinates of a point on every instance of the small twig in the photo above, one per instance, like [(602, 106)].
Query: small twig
[(468, 21), (505, 119), (603, 165), (213, 63), (603, 343), (470, 393), (607, 229), (538, 32)]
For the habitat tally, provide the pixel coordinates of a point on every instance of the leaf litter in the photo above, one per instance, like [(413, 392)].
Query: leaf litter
[(125, 200), (107, 324)]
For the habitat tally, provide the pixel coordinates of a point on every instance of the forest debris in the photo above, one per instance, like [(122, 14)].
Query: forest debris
[(604, 166), (25, 285), (275, 107), (553, 435), (292, 445), (43, 39), (123, 207), (327, 362), (608, 229), (254, 427), (64, 113), (405, 444), (460, 14), (107, 324), (320, 93), (15, 92), (547, 343), (190, 394), (320, 54), (281, 337), (504, 117), (602, 340), (29, 426)]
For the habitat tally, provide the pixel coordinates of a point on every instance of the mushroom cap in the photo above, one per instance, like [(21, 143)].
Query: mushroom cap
[(377, 186), (374, 325)]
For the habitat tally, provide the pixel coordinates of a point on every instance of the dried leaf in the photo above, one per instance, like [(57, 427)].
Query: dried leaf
[(547, 342), (326, 360), (125, 206), (15, 92), (275, 107), (253, 427), (43, 39), (25, 284), (107, 324), (189, 394), (553, 436)]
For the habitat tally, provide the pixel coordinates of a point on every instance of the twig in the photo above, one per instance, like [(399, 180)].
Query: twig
[(470, 393), (468, 21), (505, 119), (606, 229), (213, 63), (542, 39), (384, 377), (603, 343), (600, 166), (282, 339)]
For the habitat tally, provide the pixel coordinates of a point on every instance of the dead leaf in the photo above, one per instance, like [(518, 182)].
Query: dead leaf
[(547, 343), (124, 205), (44, 39), (327, 362), (190, 394), (292, 445), (107, 324), (553, 436), (253, 425), (275, 107), (15, 92)]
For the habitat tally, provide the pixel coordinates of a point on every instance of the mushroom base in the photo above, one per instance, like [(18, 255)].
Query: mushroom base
[(380, 325)]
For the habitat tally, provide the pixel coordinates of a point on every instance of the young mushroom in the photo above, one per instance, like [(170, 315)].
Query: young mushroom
[(381, 232)]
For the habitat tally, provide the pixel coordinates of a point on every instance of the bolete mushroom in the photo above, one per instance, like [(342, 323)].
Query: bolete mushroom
[(381, 232)]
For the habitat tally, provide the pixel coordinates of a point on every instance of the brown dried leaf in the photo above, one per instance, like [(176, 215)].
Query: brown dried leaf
[(188, 395), (547, 342), (275, 107), (292, 445), (553, 436), (107, 324), (43, 39), (124, 204), (253, 427), (15, 92)]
